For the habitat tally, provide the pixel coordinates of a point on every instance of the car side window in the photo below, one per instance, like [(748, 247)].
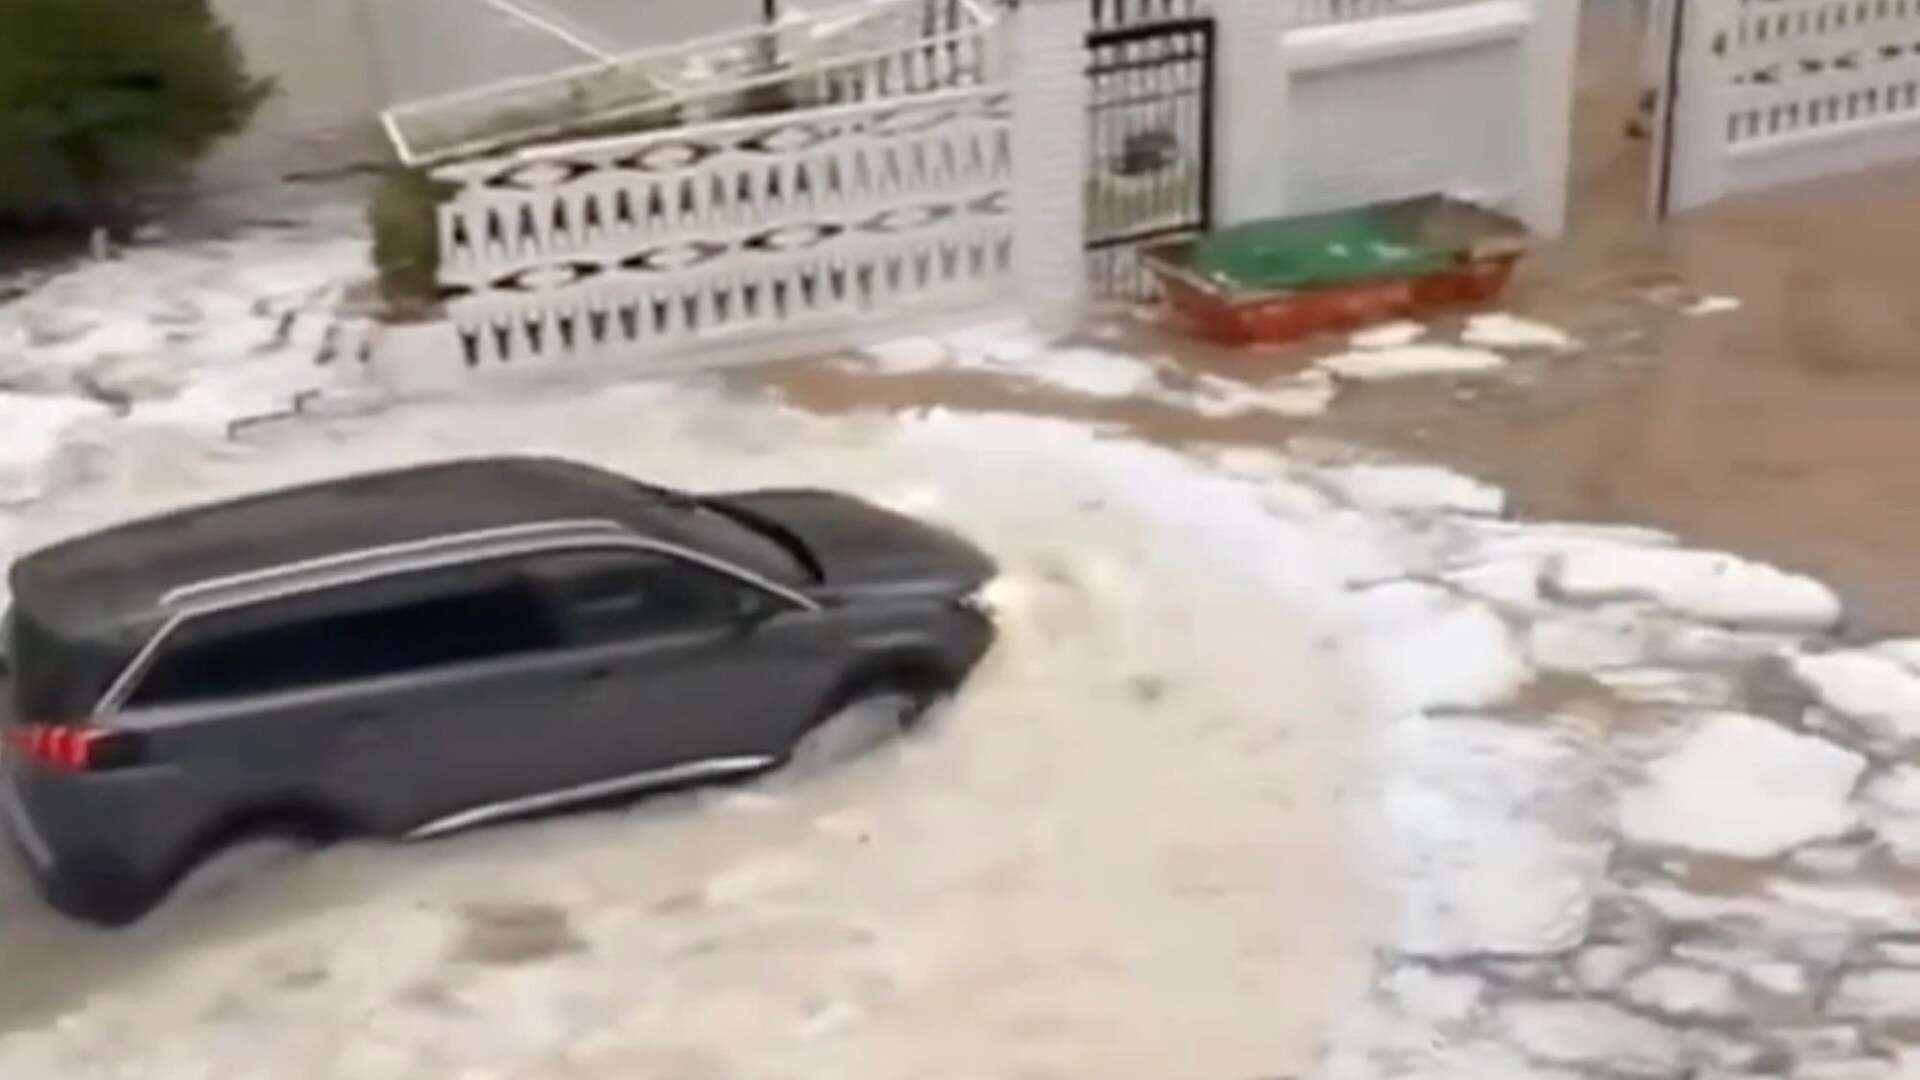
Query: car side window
[(359, 632), (604, 596)]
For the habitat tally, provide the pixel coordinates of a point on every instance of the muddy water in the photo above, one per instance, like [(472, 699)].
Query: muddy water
[(1785, 430)]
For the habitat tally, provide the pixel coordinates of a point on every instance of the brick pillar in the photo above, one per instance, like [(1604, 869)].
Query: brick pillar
[(1048, 47)]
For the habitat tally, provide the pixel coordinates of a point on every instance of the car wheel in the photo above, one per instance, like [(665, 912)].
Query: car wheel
[(863, 724), (101, 891), (233, 867)]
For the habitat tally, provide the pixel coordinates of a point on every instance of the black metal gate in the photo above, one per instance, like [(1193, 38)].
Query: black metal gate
[(1150, 174)]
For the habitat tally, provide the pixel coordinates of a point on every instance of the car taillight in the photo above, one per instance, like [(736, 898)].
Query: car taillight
[(83, 749)]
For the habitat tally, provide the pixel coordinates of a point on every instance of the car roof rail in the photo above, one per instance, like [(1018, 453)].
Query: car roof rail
[(396, 556)]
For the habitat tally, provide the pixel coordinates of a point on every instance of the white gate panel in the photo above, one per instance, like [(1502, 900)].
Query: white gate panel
[(1333, 103), (1357, 135), (1771, 92)]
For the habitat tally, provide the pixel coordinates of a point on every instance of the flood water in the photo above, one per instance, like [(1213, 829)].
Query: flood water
[(1126, 838), (1784, 430)]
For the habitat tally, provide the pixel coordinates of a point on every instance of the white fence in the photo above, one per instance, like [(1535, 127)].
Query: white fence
[(1777, 91), (943, 173), (684, 244), (1332, 103), (941, 182)]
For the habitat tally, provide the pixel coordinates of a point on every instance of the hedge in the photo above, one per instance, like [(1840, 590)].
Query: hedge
[(99, 98)]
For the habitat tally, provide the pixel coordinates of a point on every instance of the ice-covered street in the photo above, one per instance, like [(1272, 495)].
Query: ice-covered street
[(1126, 832), (1291, 761)]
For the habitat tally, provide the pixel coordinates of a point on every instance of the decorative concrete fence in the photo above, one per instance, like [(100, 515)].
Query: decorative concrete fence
[(688, 241), (918, 167), (1777, 91), (865, 170)]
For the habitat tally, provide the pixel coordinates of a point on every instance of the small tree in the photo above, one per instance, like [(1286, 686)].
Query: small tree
[(100, 97)]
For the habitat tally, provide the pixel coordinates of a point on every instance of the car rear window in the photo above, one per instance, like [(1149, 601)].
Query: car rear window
[(54, 676), (389, 627)]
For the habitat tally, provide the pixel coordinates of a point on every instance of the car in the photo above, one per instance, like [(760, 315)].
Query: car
[(415, 652)]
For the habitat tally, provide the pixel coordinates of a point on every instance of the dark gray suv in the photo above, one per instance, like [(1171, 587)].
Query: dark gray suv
[(415, 652)]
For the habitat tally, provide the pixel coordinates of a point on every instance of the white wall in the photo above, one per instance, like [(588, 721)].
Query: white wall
[(1050, 160), (331, 83), (429, 47), (339, 62), (439, 46), (635, 24), (1320, 112)]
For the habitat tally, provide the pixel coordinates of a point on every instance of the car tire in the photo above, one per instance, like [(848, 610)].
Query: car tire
[(101, 891), (239, 861), (232, 866), (859, 724)]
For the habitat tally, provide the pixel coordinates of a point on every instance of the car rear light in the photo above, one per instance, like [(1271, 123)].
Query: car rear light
[(79, 749)]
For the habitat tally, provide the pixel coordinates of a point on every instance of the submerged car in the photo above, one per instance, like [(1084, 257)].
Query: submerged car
[(415, 652)]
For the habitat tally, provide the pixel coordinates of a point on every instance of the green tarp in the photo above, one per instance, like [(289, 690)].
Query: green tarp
[(1326, 249)]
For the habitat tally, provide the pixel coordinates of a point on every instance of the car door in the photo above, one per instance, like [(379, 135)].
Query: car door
[(696, 672), (401, 701)]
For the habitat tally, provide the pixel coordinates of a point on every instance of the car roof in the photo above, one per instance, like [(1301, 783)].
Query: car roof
[(117, 577)]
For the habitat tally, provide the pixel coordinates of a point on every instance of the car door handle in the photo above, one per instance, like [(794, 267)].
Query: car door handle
[(598, 673)]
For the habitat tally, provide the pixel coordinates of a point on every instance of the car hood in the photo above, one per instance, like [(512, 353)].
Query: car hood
[(861, 548)]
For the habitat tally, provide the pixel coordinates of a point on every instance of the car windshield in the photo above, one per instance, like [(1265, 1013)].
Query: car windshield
[(768, 531), (741, 536)]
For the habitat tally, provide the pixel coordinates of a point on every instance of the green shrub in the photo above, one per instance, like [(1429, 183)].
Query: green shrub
[(404, 216), (100, 97)]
